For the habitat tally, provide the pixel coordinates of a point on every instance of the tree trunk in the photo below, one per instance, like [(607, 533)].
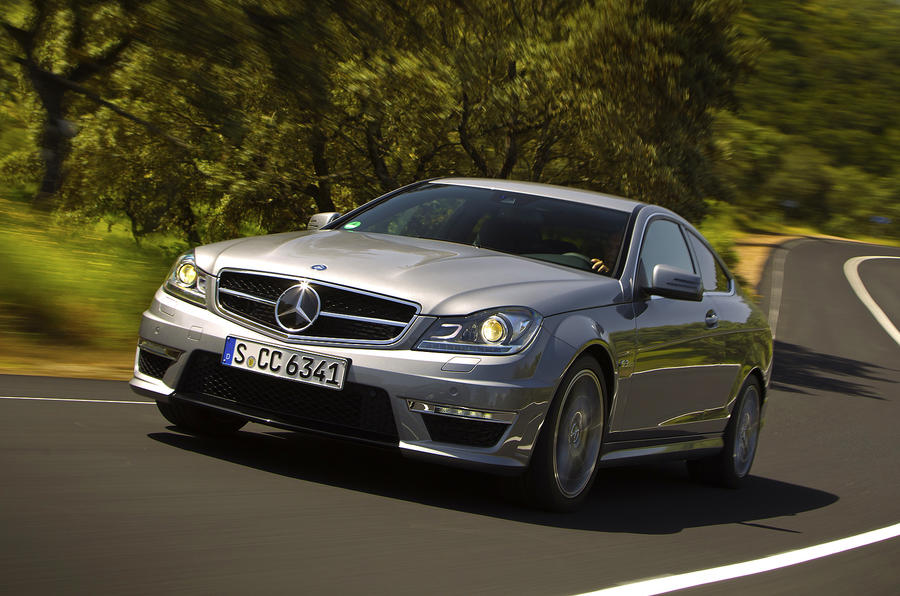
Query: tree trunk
[(466, 142), (188, 221), (317, 144), (56, 138), (376, 156)]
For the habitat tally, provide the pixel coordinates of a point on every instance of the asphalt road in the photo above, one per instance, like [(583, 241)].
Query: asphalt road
[(105, 498)]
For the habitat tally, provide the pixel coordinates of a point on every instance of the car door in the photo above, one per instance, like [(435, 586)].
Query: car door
[(677, 383), (738, 324)]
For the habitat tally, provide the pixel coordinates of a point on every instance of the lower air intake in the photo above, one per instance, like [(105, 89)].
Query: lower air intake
[(153, 365), (357, 411), (472, 433)]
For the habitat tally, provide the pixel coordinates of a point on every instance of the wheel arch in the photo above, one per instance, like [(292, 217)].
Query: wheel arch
[(606, 335), (756, 373), (599, 351)]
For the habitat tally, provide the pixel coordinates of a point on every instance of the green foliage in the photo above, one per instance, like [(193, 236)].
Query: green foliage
[(720, 228), (211, 119), (817, 139), (221, 118)]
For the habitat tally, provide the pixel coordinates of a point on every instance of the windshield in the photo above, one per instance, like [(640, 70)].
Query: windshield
[(562, 232)]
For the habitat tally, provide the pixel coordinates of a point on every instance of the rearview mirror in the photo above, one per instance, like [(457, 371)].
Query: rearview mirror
[(320, 220), (673, 282)]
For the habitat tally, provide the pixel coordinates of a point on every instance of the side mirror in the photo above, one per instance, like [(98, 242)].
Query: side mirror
[(672, 282), (320, 220)]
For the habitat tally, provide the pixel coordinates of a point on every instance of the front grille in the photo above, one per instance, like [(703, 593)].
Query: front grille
[(474, 433), (357, 411), (153, 365), (346, 314)]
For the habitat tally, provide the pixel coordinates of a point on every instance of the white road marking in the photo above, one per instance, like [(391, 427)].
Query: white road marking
[(661, 585), (90, 401), (777, 286), (851, 271)]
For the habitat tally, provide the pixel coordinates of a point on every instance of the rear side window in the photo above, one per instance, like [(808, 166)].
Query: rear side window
[(664, 245), (714, 277)]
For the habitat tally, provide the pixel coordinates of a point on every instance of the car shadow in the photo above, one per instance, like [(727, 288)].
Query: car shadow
[(654, 499), (798, 369)]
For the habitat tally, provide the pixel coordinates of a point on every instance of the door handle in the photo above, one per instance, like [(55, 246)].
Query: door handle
[(712, 319)]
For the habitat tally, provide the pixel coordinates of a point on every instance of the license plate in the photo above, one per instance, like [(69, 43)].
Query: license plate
[(295, 365)]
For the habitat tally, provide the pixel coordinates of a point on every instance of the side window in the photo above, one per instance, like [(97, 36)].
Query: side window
[(664, 245), (714, 277)]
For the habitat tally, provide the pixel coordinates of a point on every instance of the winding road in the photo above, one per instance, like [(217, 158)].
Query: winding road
[(99, 496)]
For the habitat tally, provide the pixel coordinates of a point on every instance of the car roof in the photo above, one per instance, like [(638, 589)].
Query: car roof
[(546, 190)]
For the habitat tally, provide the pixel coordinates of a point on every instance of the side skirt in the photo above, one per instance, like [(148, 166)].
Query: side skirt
[(630, 451)]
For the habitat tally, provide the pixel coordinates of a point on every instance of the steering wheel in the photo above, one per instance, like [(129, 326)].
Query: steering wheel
[(587, 260)]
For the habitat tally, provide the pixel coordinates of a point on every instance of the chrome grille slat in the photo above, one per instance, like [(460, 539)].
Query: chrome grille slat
[(363, 319), (248, 296), (347, 315)]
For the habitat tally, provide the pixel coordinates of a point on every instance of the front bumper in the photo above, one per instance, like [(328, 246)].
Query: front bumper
[(518, 388)]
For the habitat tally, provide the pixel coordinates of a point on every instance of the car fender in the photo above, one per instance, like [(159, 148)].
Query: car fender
[(606, 333)]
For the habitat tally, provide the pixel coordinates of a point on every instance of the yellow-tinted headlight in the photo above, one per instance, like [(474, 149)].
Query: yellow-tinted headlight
[(187, 274), (493, 330)]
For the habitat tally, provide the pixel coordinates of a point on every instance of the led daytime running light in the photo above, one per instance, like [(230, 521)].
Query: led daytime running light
[(457, 412)]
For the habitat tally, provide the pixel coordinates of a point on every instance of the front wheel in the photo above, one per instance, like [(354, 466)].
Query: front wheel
[(564, 463), (200, 420), (729, 467)]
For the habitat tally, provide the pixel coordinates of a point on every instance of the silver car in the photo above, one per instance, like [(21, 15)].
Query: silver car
[(518, 327)]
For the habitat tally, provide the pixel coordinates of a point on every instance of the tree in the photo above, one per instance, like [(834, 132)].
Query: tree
[(260, 112), (821, 105), (61, 46)]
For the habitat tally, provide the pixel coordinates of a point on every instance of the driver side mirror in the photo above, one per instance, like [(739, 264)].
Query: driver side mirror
[(672, 282), (320, 220)]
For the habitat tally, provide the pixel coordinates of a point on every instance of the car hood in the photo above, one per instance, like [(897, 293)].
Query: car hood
[(443, 277)]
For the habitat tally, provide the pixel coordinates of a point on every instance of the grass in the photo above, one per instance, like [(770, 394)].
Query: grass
[(70, 293)]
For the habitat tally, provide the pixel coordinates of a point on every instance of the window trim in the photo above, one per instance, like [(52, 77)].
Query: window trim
[(731, 285), (640, 247)]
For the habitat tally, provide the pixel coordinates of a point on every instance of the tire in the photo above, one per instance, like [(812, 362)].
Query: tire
[(200, 420), (729, 467), (564, 464)]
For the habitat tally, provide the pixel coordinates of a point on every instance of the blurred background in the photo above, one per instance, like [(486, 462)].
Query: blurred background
[(132, 129)]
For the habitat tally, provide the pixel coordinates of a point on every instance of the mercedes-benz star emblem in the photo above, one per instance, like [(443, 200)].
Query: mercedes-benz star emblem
[(297, 308)]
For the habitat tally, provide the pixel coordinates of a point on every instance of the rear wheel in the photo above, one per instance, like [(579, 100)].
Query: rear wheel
[(729, 467), (198, 419), (564, 463)]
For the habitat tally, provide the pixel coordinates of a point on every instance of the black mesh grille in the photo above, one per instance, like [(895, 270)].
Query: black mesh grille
[(347, 302), (333, 300), (263, 286), (346, 329), (255, 311), (153, 365), (474, 433), (356, 411)]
